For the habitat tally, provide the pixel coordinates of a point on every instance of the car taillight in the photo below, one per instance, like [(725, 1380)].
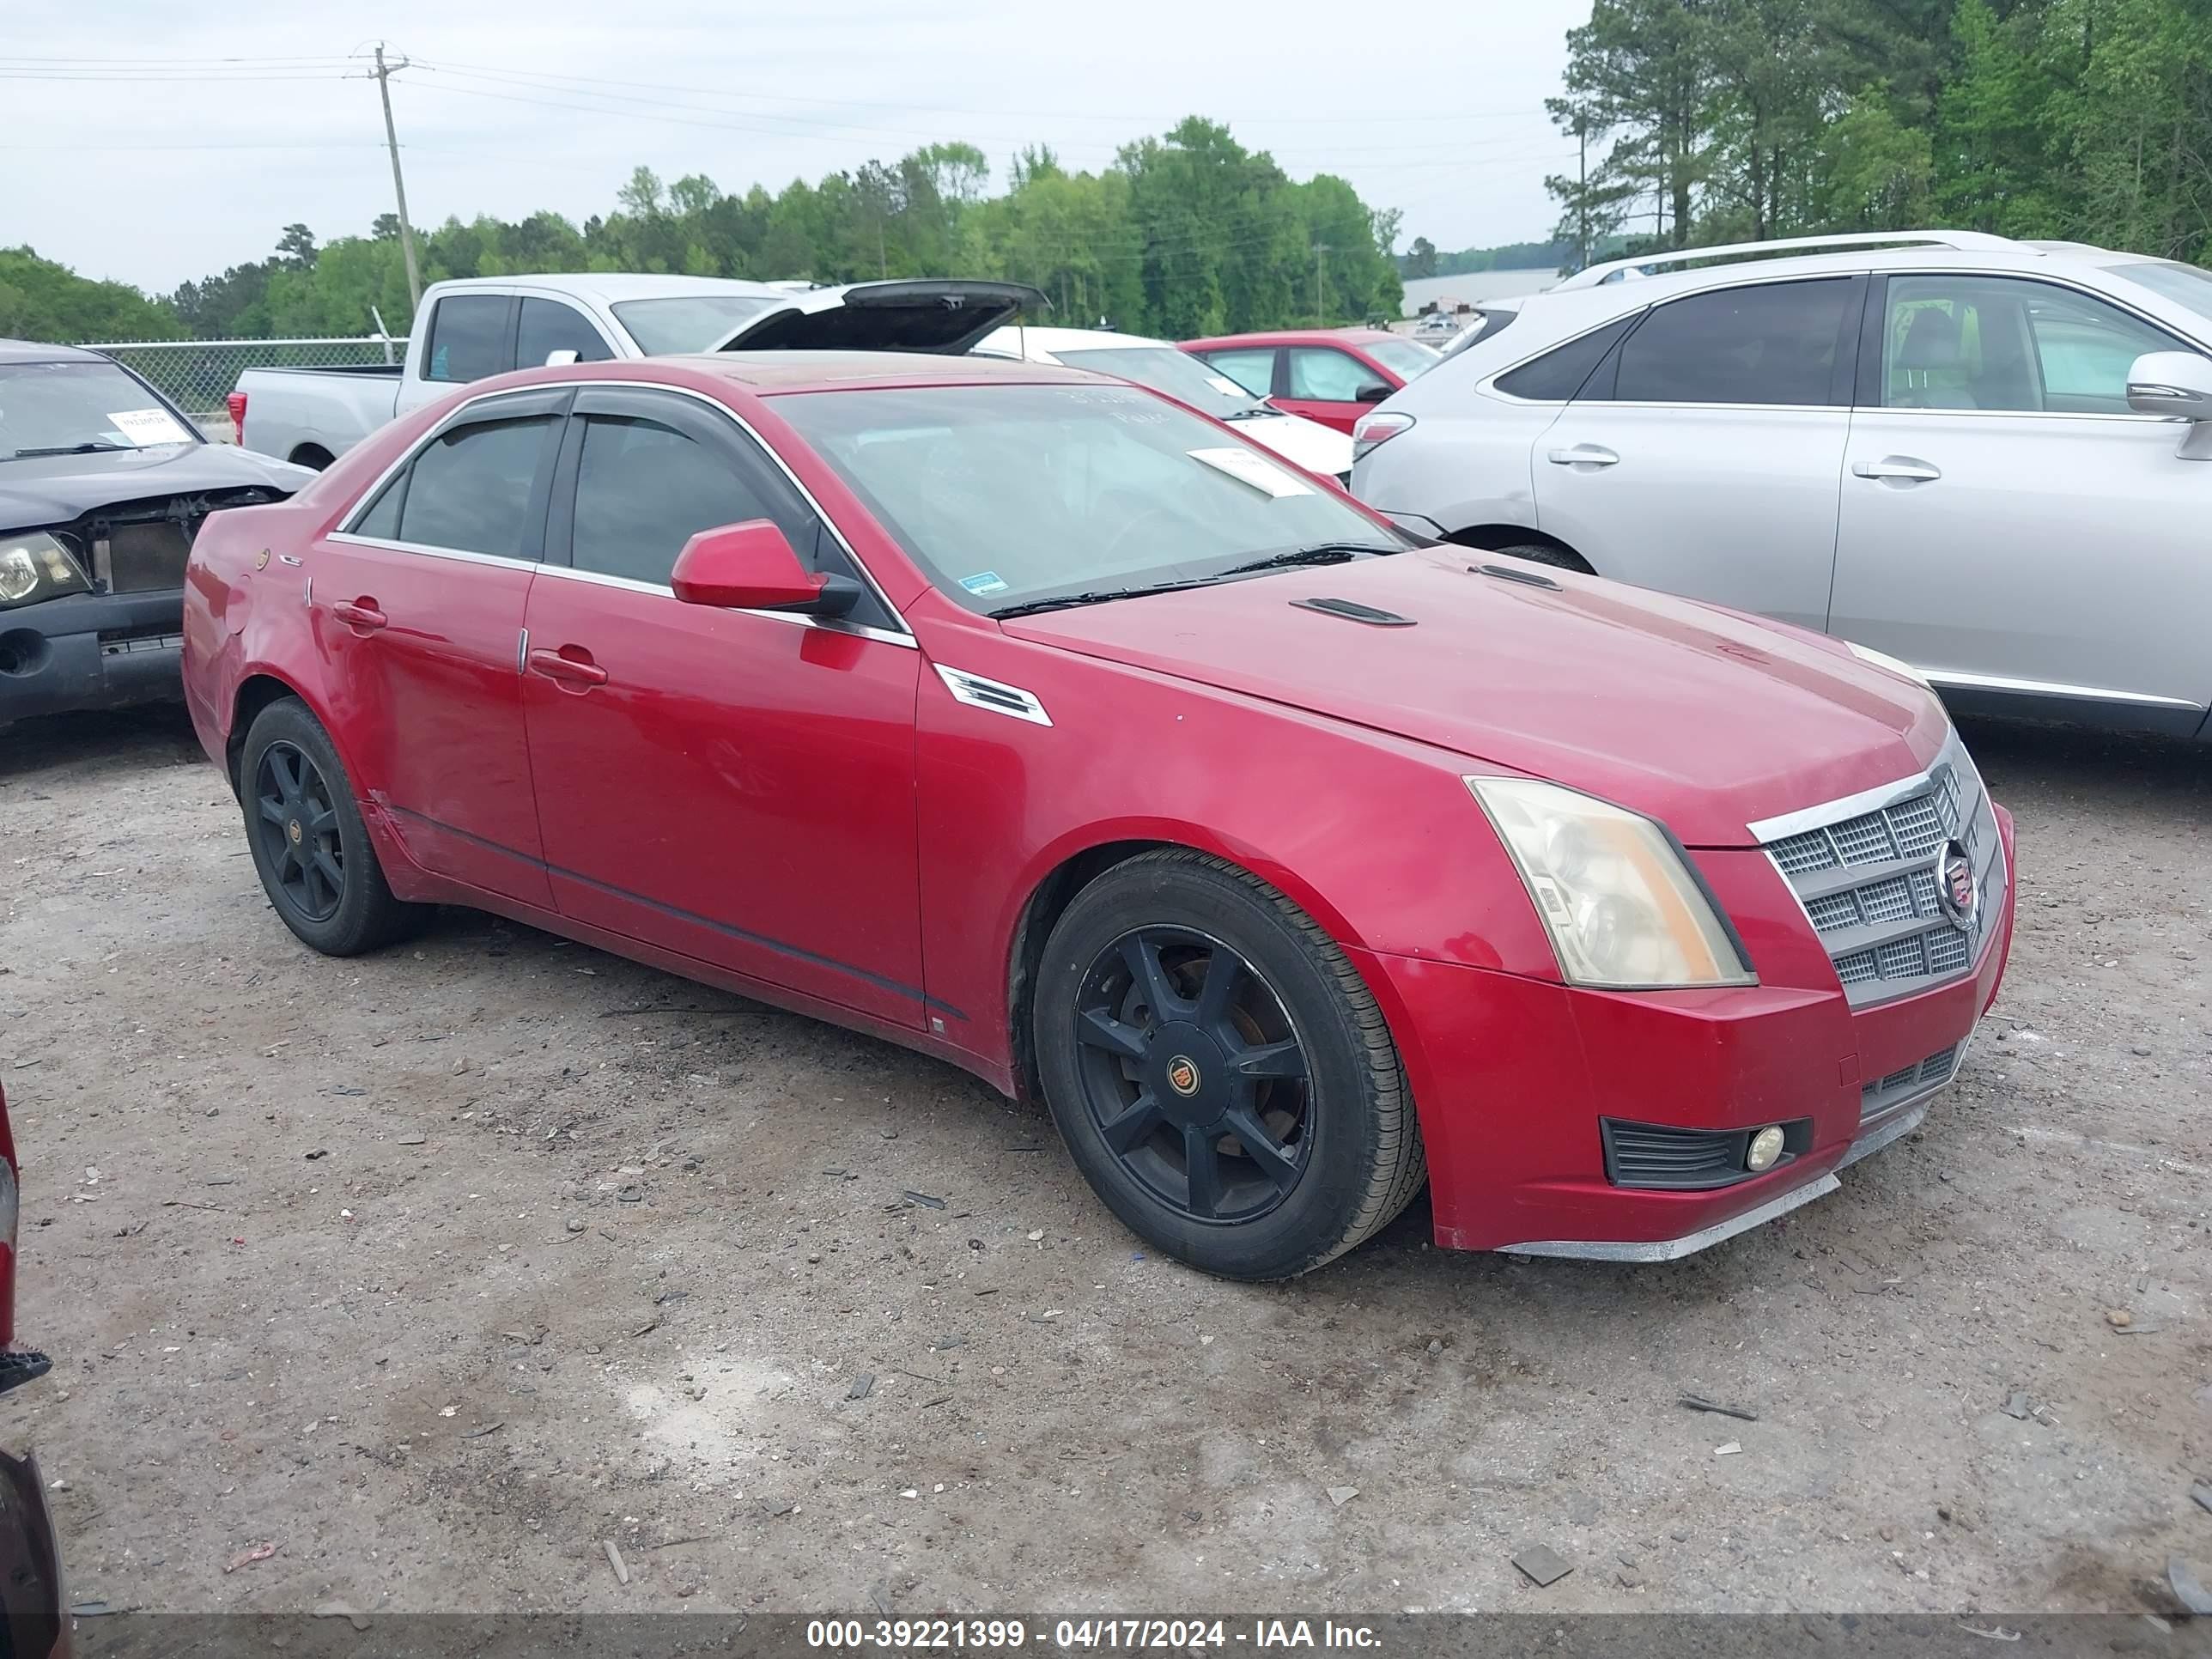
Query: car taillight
[(1376, 429), (236, 404)]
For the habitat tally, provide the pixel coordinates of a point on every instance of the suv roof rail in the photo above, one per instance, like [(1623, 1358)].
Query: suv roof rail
[(1616, 270)]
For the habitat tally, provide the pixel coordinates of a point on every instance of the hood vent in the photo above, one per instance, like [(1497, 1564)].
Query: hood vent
[(1526, 578), (1353, 610)]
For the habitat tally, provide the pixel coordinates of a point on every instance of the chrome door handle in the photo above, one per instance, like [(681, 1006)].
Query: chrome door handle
[(1904, 468), (1584, 455)]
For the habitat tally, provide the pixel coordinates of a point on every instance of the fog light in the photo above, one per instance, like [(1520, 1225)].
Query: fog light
[(1765, 1147)]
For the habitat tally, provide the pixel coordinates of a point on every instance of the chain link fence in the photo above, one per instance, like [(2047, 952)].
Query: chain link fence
[(196, 375)]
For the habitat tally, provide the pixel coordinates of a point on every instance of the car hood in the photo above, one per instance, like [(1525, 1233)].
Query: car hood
[(929, 314), (1704, 718), (1306, 443), (43, 489)]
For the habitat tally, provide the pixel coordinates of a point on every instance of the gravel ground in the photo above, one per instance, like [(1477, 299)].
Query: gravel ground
[(406, 1281)]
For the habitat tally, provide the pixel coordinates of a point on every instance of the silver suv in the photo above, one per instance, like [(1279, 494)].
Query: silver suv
[(1989, 459)]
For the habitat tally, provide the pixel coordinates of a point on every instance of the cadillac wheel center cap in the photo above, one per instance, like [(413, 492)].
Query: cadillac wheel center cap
[(293, 829), (1956, 893), (1182, 1075)]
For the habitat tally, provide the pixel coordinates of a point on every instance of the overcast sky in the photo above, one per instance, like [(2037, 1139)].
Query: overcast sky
[(131, 152)]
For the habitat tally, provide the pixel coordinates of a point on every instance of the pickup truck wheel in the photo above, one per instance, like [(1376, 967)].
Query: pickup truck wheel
[(309, 844), (1220, 1072), (310, 455)]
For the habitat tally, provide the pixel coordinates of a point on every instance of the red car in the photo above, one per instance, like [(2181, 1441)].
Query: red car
[(1332, 375), (1036, 722), (32, 1617)]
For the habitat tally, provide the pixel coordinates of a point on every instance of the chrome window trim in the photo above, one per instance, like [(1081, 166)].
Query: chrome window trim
[(1962, 678), (900, 636), (826, 624)]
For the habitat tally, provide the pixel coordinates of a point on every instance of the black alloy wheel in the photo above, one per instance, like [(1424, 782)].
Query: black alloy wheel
[(297, 823)]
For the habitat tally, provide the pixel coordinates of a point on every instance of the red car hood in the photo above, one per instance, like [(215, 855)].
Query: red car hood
[(1704, 718)]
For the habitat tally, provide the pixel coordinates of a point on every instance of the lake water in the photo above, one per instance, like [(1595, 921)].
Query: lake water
[(1474, 287)]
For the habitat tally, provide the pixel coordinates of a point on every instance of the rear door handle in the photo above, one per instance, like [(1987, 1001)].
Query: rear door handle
[(1904, 469), (577, 671), (1584, 455), (360, 614)]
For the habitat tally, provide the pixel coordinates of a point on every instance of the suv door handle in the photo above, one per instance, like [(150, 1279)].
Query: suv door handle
[(1584, 455), (1905, 469), (577, 671), (360, 614)]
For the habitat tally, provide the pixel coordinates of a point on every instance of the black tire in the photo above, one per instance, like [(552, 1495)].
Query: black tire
[(1538, 553), (1343, 1151), (309, 455), (328, 886)]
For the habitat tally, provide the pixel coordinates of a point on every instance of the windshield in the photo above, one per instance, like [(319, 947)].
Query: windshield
[(698, 322), (1404, 358), (1006, 494), (80, 406), (2183, 284), (1182, 376)]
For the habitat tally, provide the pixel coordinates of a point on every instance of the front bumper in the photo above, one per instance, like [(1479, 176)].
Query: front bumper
[(90, 651), (1512, 1077)]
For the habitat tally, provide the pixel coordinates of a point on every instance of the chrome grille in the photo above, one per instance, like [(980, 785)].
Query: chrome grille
[(1865, 870)]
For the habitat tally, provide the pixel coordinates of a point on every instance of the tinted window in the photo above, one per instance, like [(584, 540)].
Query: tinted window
[(1328, 376), (468, 337), (1251, 367), (643, 489), (1775, 343), (1558, 375), (471, 488), (2006, 343), (382, 520), (549, 326)]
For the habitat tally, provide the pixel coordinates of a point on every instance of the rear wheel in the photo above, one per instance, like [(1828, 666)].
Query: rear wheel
[(309, 844), (1221, 1075)]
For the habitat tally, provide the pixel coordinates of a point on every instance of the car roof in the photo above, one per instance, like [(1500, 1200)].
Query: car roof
[(770, 374), (34, 351), (1282, 337), (612, 287)]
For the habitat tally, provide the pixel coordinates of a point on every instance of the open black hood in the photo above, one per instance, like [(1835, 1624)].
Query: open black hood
[(939, 314)]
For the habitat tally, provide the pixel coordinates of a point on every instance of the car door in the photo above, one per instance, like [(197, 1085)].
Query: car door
[(417, 607), (1332, 386), (2008, 524), (468, 336), (736, 786), (1703, 455)]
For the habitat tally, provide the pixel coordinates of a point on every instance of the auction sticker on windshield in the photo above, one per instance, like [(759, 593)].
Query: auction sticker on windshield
[(145, 427), (1246, 467), (984, 581)]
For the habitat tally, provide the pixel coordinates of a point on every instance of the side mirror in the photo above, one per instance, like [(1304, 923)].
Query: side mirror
[(751, 566), (1373, 393), (2171, 383), (559, 359)]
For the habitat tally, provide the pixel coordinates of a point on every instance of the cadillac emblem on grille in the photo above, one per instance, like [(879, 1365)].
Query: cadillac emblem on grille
[(1954, 885)]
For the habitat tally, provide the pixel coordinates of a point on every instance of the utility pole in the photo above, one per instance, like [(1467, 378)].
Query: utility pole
[(384, 73), (1321, 317)]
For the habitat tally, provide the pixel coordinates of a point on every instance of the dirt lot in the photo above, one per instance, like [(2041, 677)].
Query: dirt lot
[(434, 1269)]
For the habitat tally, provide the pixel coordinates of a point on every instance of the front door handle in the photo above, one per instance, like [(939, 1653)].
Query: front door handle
[(569, 666), (360, 615), (1584, 455), (1903, 469)]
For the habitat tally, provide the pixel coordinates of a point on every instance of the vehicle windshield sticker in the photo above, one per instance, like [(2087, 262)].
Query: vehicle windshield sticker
[(1227, 387), (144, 426), (1246, 467), (984, 581)]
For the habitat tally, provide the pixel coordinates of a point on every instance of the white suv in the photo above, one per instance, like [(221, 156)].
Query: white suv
[(1956, 449)]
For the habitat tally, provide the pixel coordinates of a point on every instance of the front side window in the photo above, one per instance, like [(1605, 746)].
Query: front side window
[(643, 489), (1252, 367), (1007, 492), (1327, 375), (1771, 344), (470, 488), (2001, 342), (468, 338), (548, 326)]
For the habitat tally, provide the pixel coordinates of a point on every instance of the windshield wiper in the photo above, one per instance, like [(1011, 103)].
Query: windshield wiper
[(1319, 553), (1099, 596), (68, 449), (1257, 411)]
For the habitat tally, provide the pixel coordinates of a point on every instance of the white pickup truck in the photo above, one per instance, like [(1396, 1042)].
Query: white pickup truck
[(477, 326)]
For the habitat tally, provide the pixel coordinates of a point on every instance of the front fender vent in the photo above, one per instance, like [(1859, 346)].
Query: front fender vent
[(994, 695)]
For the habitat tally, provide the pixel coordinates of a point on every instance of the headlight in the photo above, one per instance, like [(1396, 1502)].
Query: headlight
[(1867, 653), (1623, 910), (37, 567)]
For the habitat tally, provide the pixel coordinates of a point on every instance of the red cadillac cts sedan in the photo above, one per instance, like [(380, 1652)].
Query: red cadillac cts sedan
[(1034, 721)]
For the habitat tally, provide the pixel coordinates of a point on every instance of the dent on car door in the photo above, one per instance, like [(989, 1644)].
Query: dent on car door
[(2008, 525), (734, 786), (417, 608), (1703, 453)]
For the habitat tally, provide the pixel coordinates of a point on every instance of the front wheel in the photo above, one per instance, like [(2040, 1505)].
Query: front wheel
[(1220, 1073)]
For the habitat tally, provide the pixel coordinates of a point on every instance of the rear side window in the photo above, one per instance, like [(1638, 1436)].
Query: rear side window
[(468, 337), (643, 489), (1558, 375), (1773, 344), (470, 488), (549, 326)]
